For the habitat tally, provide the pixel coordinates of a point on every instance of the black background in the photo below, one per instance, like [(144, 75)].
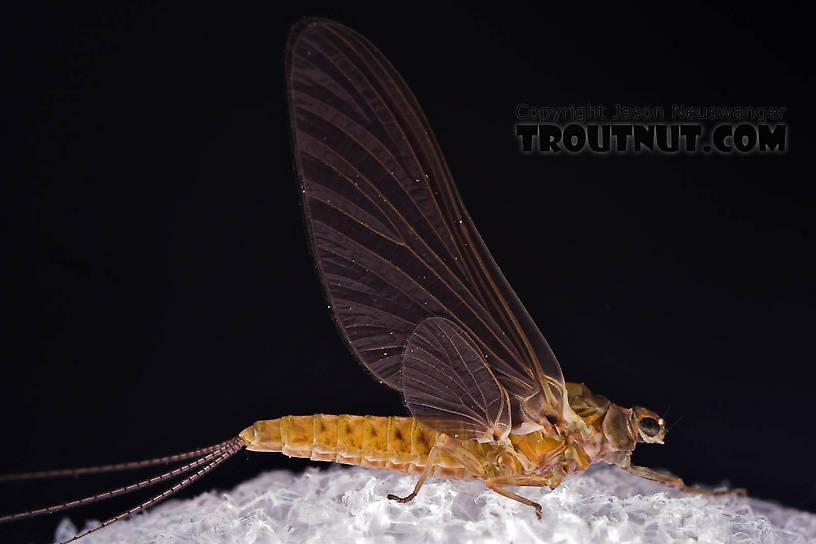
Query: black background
[(160, 295)]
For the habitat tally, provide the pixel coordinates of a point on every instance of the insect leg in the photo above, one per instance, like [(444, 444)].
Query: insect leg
[(443, 444), (495, 484), (528, 480), (425, 473), (674, 481)]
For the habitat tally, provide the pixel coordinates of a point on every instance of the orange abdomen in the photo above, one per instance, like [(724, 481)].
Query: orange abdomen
[(393, 443)]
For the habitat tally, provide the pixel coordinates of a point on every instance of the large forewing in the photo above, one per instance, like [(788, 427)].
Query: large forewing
[(448, 384), (391, 238)]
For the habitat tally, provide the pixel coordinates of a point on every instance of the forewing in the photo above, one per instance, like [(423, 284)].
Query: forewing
[(391, 238)]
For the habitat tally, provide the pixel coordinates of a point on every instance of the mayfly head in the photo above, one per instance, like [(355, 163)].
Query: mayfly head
[(650, 427)]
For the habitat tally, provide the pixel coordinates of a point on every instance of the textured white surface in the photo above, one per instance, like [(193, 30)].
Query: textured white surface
[(342, 504)]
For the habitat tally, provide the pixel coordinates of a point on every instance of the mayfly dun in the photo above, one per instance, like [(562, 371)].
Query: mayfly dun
[(420, 302)]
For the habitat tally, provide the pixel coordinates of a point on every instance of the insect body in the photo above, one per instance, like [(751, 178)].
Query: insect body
[(420, 302), (407, 445)]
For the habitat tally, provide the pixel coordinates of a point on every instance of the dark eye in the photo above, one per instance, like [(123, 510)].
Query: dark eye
[(649, 426)]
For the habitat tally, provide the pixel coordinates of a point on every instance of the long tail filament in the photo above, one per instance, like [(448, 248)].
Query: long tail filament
[(110, 468), (208, 457)]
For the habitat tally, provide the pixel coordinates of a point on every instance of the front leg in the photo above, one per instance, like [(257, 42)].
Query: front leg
[(674, 481)]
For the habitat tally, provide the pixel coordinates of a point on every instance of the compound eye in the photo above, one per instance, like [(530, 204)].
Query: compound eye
[(650, 426)]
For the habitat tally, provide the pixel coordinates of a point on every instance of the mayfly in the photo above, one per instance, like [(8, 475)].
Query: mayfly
[(421, 303)]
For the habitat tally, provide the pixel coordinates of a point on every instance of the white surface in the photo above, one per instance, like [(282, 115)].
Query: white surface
[(343, 504)]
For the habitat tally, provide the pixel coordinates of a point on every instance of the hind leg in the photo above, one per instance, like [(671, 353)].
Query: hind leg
[(425, 473), (445, 445)]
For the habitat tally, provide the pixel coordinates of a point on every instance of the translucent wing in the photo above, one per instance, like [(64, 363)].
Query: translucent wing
[(448, 384), (391, 238)]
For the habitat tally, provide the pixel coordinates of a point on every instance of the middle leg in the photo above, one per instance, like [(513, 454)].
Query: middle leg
[(496, 484)]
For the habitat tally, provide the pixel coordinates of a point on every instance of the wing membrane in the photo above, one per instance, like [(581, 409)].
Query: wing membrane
[(448, 384), (392, 240)]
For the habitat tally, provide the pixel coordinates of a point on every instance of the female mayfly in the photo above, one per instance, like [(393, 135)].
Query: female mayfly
[(420, 302)]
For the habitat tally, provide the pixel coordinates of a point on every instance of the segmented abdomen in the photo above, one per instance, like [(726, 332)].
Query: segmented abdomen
[(393, 443)]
